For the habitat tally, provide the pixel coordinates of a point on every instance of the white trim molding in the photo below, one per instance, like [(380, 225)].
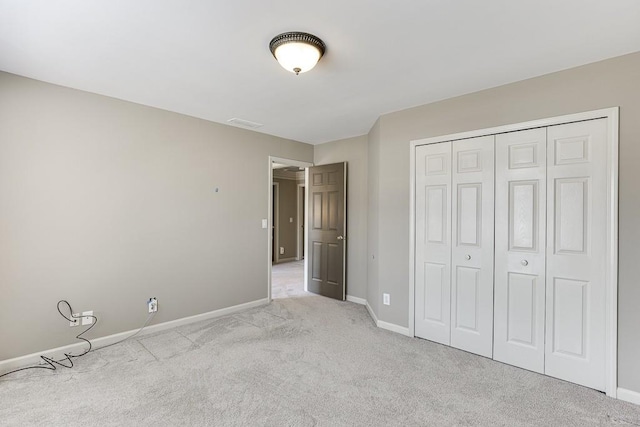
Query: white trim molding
[(300, 203), (629, 396), (292, 176), (356, 300), (383, 325), (58, 353), (394, 328), (372, 314), (612, 117), (275, 222)]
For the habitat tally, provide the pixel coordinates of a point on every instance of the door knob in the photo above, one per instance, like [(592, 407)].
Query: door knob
[(341, 238), (468, 257), (525, 262)]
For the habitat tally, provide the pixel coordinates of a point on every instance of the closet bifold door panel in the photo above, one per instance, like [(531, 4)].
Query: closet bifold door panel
[(472, 208), (433, 242), (514, 245), (519, 311), (576, 252)]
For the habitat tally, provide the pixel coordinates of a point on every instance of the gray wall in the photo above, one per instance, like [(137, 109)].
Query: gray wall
[(288, 208), (106, 203), (353, 151), (615, 82)]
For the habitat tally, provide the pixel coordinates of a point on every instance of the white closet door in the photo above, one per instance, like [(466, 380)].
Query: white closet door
[(472, 245), (520, 248), (576, 236), (433, 242)]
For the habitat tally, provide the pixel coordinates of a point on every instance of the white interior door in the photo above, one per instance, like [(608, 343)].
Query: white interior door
[(472, 206), (576, 253), (433, 242), (520, 248)]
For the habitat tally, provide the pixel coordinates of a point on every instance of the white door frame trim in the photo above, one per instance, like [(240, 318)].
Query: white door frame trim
[(300, 232), (276, 221), (612, 117), (290, 162)]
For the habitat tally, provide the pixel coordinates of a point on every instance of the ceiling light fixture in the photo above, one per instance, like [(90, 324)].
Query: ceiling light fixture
[(297, 52)]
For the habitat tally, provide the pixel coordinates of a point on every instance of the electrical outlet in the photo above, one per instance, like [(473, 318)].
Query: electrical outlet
[(75, 319), (153, 305), (281, 251), (87, 318), (386, 299)]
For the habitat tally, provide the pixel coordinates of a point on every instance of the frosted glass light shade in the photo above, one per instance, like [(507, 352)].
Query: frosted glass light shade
[(297, 57), (297, 52)]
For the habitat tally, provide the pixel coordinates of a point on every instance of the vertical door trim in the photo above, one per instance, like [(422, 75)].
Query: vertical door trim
[(299, 221), (613, 120), (269, 187), (276, 222), (345, 242), (612, 117)]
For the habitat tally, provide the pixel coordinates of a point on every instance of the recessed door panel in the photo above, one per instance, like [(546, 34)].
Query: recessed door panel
[(521, 309), (571, 150), (334, 260), (436, 199), (472, 250), (523, 155), (520, 248), (576, 256), (333, 210), (570, 301), (571, 205), (436, 164), (316, 260), (523, 215), (469, 161), (433, 246), (434, 283), (469, 214), (316, 211), (467, 303), (333, 178)]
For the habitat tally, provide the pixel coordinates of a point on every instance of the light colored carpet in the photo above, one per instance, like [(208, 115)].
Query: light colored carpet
[(302, 361), (287, 280)]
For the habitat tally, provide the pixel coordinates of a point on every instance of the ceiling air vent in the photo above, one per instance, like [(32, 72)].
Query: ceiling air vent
[(244, 123)]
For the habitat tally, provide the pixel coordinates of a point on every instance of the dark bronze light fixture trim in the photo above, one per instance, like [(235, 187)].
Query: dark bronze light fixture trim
[(297, 37)]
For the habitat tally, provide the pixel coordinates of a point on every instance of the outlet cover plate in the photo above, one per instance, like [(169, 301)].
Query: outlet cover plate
[(153, 305), (85, 319), (75, 319)]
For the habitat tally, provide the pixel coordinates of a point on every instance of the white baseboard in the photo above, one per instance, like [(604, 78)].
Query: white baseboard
[(356, 300), (394, 328), (629, 395), (371, 313), (385, 325), (77, 348)]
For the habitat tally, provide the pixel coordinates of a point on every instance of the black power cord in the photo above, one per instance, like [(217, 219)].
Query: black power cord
[(67, 361)]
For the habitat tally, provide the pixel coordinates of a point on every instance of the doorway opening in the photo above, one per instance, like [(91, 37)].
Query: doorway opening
[(287, 237)]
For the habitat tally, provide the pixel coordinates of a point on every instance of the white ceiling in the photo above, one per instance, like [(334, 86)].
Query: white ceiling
[(210, 58)]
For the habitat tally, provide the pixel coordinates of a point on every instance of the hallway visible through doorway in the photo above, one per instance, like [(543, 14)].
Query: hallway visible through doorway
[(287, 280)]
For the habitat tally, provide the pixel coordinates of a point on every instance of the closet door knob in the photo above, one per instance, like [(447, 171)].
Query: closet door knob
[(525, 262), (468, 257)]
